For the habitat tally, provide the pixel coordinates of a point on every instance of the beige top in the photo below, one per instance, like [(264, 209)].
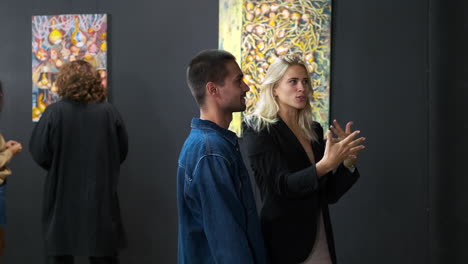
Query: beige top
[(5, 157), (320, 253)]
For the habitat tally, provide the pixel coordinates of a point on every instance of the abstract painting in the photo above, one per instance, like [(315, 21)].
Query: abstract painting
[(259, 31), (59, 39)]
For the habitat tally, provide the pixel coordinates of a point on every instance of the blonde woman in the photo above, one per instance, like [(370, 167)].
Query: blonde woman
[(298, 173)]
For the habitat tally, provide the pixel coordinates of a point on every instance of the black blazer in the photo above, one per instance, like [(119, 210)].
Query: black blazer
[(292, 194)]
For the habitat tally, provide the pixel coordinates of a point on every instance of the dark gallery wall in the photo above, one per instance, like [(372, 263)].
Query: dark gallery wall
[(380, 80), (397, 71), (448, 149)]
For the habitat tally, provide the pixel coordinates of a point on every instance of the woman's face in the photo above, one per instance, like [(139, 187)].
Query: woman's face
[(293, 90)]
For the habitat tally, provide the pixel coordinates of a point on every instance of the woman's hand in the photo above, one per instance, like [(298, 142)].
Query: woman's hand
[(336, 151), (340, 134), (338, 131)]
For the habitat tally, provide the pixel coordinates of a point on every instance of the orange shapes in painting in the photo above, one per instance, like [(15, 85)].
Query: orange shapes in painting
[(41, 53)]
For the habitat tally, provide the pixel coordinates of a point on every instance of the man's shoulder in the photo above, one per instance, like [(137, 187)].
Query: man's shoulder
[(212, 142), (203, 143)]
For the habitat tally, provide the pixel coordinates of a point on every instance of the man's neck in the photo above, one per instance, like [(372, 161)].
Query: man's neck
[(221, 119)]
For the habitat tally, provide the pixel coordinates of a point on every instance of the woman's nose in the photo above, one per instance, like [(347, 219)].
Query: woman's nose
[(300, 87)]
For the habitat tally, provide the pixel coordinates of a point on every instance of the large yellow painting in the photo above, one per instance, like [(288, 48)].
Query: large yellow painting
[(258, 31)]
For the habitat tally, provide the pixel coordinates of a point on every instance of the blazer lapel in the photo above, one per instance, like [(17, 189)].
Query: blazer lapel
[(318, 146), (295, 146)]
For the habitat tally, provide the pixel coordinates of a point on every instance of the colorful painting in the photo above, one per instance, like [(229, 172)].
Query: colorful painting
[(258, 31), (60, 39)]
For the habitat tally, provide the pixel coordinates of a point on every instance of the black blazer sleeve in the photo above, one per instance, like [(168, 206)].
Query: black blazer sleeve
[(271, 171), (339, 182)]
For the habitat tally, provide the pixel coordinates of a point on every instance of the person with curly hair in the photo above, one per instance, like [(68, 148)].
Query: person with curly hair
[(81, 141)]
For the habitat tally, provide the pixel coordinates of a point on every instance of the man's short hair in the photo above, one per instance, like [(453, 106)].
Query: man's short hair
[(207, 66)]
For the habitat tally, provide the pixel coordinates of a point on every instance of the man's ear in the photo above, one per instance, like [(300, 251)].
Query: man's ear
[(211, 88)]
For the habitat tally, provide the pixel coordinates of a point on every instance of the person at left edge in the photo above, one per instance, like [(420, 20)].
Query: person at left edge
[(8, 150)]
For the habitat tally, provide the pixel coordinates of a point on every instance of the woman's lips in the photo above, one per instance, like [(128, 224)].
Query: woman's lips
[(301, 98)]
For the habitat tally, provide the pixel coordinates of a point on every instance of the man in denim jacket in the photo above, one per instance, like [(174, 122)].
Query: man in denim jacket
[(218, 221)]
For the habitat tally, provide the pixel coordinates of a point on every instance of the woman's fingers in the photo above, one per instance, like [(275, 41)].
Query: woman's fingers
[(350, 137), (348, 127), (355, 150), (353, 147), (338, 130), (335, 131), (337, 126), (356, 142), (329, 138)]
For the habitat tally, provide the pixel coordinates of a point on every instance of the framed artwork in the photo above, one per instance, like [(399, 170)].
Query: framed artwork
[(259, 31), (59, 39)]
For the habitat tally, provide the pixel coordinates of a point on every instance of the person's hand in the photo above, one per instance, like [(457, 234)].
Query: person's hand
[(14, 147), (340, 135), (10, 143), (338, 151), (339, 132)]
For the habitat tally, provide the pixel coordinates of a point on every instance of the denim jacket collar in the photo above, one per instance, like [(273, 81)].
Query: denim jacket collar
[(198, 123)]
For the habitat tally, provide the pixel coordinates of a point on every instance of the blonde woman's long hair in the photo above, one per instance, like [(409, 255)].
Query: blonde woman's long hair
[(266, 109)]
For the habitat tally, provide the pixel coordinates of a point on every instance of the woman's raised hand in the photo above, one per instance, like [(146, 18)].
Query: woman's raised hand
[(336, 151)]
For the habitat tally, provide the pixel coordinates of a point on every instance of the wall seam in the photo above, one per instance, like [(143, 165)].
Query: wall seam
[(429, 172)]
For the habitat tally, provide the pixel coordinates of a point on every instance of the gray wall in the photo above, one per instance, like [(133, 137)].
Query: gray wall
[(396, 72), (400, 71), (379, 80), (449, 127)]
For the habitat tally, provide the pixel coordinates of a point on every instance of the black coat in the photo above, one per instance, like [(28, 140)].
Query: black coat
[(291, 192), (81, 146)]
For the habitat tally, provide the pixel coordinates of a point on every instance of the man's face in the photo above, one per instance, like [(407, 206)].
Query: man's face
[(232, 93)]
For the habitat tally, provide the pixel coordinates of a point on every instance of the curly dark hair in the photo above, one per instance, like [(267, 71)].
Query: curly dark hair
[(80, 81)]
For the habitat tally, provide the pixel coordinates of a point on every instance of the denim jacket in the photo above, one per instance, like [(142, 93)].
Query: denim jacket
[(218, 221)]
